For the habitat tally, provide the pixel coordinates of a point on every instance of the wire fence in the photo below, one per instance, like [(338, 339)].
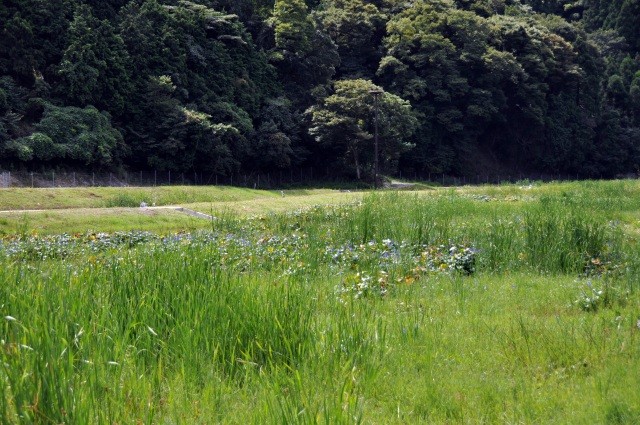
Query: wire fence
[(505, 178), (51, 179), (274, 180)]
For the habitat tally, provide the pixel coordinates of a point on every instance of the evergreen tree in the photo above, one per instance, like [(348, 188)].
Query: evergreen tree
[(344, 122), (94, 66)]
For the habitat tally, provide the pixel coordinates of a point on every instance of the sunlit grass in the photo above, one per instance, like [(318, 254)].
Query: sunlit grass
[(101, 197), (76, 218), (386, 308), (292, 200), (82, 220)]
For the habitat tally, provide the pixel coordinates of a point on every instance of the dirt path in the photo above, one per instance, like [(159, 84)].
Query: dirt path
[(178, 208)]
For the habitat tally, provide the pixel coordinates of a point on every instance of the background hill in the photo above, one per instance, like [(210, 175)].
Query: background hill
[(223, 86)]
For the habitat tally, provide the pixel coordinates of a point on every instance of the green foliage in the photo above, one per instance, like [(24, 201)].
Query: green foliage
[(278, 135), (330, 314), (293, 26), (304, 55), (629, 22), (472, 77), (438, 58), (197, 114), (80, 136), (94, 65), (497, 86), (356, 27), (33, 37), (345, 122), (634, 94)]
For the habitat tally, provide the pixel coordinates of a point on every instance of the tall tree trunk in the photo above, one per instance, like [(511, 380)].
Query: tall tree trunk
[(357, 162)]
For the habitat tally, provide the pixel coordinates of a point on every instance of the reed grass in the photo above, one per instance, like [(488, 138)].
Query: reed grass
[(398, 308)]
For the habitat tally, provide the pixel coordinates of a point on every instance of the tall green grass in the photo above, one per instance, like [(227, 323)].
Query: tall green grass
[(549, 235), (248, 331)]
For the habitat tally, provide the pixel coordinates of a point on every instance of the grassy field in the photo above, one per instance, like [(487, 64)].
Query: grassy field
[(82, 210), (494, 304), (109, 197)]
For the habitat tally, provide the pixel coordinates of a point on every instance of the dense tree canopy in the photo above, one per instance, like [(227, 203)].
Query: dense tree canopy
[(222, 86), (345, 121)]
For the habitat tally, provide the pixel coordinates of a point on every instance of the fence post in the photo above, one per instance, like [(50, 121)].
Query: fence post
[(155, 177), (74, 178), (169, 177), (32, 179), (53, 181)]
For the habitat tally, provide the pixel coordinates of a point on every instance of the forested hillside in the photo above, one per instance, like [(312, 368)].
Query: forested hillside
[(223, 86)]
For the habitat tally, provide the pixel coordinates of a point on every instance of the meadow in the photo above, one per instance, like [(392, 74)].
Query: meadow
[(491, 304)]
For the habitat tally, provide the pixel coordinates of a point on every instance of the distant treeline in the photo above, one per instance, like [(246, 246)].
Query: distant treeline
[(466, 87)]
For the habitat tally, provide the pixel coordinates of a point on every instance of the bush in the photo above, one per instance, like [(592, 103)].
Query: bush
[(83, 136)]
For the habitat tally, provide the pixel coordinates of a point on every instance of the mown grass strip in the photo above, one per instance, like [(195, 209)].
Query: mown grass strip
[(109, 197)]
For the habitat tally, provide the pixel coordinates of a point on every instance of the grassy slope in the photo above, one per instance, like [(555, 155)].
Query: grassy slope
[(79, 210), (84, 220), (104, 197), (290, 202)]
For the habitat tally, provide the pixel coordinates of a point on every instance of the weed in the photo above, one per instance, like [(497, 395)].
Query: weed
[(123, 200), (393, 308)]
